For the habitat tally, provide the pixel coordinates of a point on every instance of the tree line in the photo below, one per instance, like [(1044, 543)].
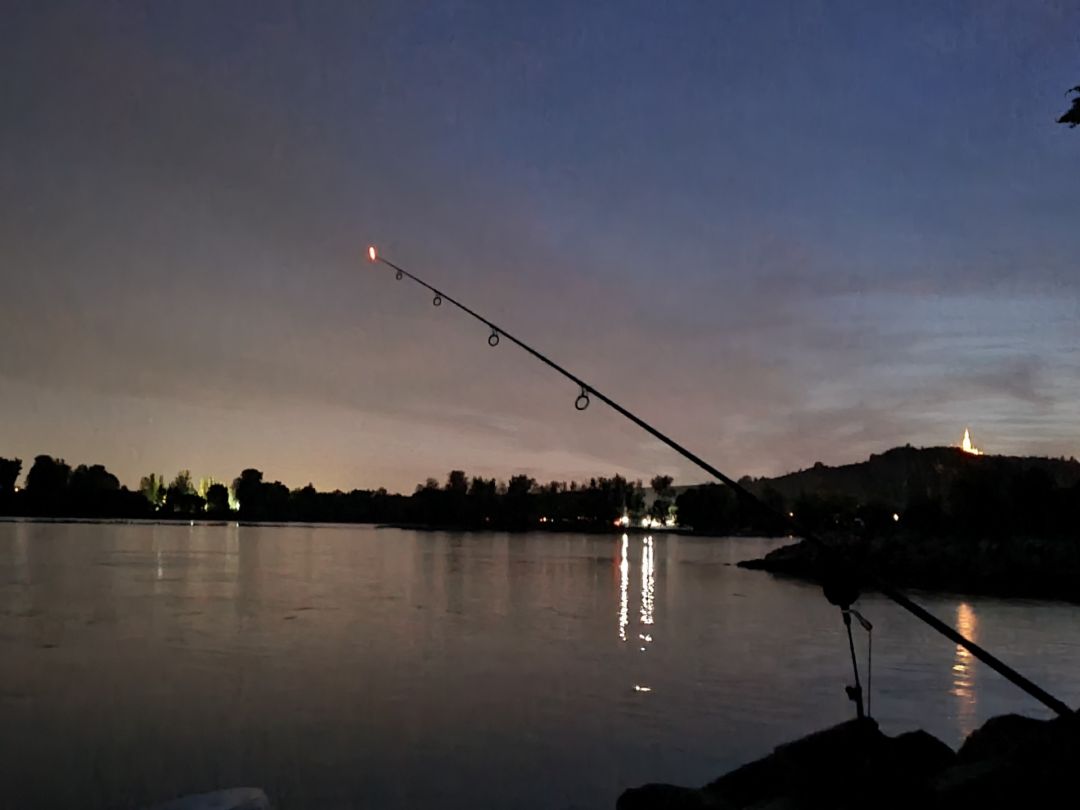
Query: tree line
[(54, 489), (985, 497)]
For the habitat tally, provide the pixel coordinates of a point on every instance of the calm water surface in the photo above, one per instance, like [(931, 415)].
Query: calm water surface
[(348, 667)]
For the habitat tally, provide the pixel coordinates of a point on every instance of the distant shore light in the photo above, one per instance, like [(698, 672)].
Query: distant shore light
[(372, 253)]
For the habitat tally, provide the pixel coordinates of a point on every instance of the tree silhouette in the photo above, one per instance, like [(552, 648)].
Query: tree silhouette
[(93, 480), (181, 497), (456, 499), (276, 501), (708, 508), (9, 474), (306, 504), (457, 482), (483, 498), (1072, 115), (248, 489), (182, 485), (91, 490), (217, 499), (661, 485), (46, 485)]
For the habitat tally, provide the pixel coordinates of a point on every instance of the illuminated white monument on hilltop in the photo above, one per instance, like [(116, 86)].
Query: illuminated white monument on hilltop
[(968, 447)]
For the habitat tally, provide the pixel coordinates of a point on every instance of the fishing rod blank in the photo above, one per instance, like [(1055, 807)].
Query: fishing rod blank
[(745, 496)]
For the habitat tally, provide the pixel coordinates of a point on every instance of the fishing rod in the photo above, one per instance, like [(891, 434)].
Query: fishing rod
[(744, 495)]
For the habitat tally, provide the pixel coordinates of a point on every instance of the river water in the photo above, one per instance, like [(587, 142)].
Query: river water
[(349, 667)]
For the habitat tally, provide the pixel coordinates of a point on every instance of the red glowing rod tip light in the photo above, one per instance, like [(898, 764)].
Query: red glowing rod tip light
[(372, 253)]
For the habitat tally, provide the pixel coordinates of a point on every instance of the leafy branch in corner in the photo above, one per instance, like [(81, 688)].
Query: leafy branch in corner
[(1072, 116)]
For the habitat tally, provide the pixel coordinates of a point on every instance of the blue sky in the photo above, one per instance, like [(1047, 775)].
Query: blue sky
[(784, 232)]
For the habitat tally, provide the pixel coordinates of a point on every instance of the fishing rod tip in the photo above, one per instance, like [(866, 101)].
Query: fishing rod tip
[(372, 253)]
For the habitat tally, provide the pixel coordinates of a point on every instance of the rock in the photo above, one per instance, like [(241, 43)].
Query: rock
[(1001, 736), (918, 755), (1013, 761), (231, 799), (755, 782), (852, 765), (667, 797)]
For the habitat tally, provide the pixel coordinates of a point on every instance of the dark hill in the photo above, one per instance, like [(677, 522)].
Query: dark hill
[(903, 475)]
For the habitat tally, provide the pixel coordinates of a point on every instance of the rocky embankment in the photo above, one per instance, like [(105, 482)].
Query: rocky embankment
[(1018, 567), (1010, 762)]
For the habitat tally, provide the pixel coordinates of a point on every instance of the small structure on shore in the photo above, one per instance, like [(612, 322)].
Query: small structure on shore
[(968, 447)]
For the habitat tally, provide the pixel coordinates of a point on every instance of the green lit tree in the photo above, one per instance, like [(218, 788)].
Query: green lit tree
[(152, 487)]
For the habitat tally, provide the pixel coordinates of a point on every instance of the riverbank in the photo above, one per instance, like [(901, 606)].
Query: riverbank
[(1010, 568), (554, 528), (1010, 761)]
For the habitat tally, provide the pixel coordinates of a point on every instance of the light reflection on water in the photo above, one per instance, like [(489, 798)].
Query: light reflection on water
[(624, 587), (648, 580), (964, 670), (348, 667), (647, 597)]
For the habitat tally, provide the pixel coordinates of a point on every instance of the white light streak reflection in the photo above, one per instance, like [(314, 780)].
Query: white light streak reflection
[(648, 581), (967, 623), (645, 615), (624, 587)]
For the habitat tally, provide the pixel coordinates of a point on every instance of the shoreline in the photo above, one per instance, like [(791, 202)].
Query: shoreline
[(1014, 568)]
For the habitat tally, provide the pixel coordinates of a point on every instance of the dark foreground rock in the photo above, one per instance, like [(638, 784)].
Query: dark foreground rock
[(1010, 762), (1015, 567)]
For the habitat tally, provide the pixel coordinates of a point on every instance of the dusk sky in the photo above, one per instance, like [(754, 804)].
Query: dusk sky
[(783, 232)]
